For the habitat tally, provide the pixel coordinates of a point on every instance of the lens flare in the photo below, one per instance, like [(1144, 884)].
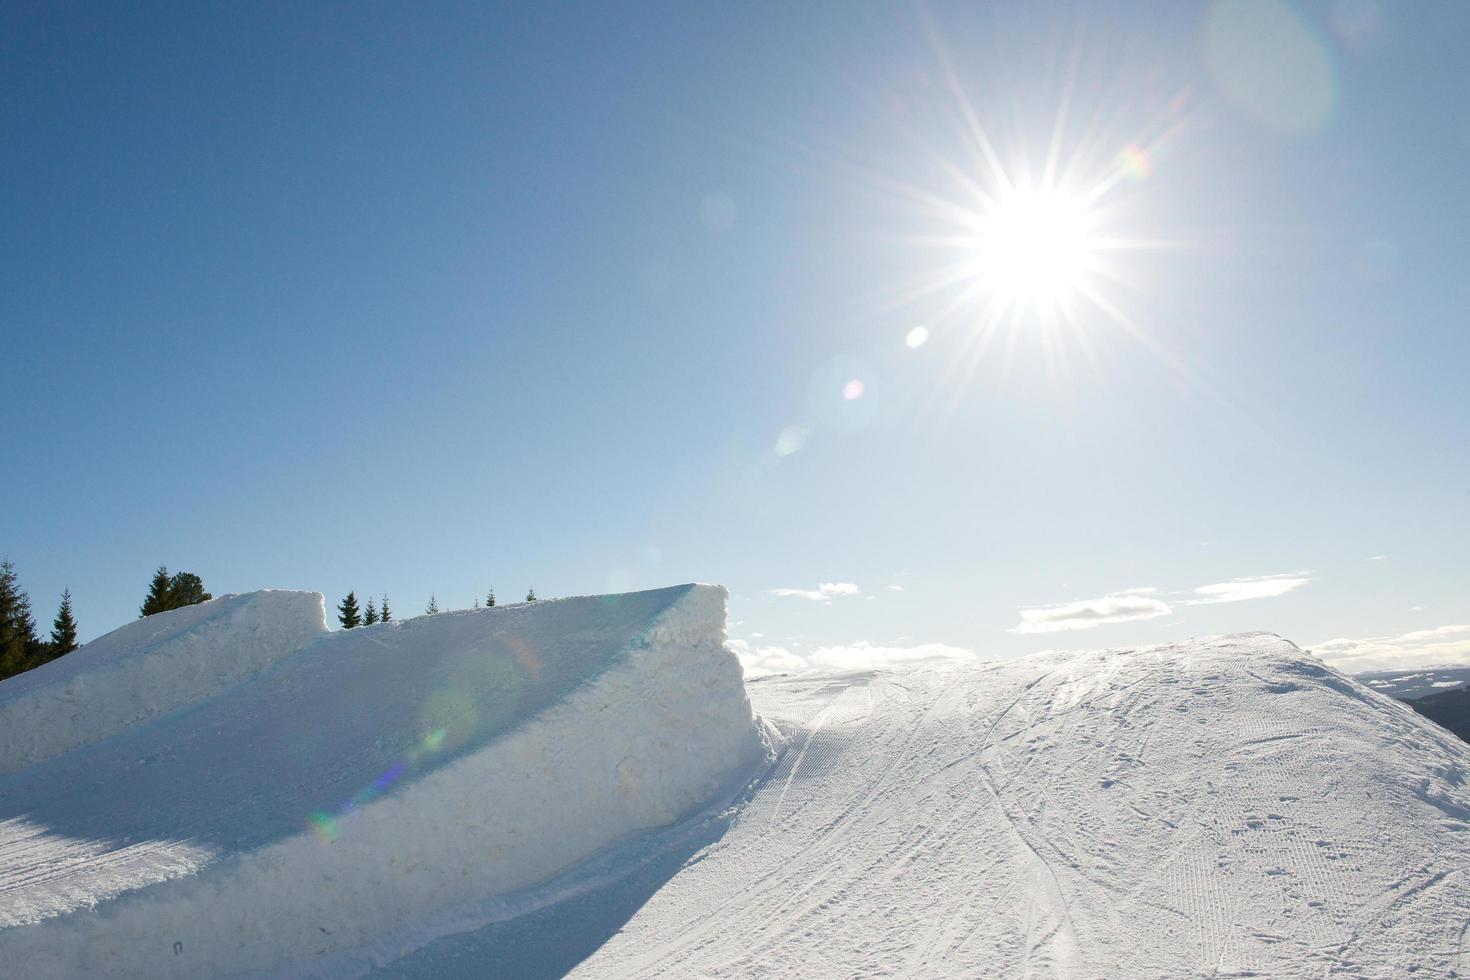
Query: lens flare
[(1136, 162), (791, 439), (853, 390), (525, 656), (916, 337), (324, 827)]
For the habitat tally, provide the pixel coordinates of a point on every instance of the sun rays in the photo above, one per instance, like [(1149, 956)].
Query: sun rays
[(1042, 243)]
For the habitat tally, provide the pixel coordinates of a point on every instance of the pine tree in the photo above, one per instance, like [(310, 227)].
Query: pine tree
[(20, 649), (158, 594), (371, 616), (477, 602), (63, 629), (186, 589), (385, 615), (347, 613), (176, 592), (490, 599), (433, 605), (531, 595)]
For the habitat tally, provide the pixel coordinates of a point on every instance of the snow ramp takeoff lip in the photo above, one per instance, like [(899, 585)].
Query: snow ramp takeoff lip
[(375, 779)]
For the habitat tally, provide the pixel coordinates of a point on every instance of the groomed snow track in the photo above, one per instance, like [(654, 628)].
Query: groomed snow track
[(1220, 808)]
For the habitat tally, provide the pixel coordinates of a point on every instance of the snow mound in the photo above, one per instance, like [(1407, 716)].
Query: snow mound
[(150, 667), (1227, 807), (329, 810)]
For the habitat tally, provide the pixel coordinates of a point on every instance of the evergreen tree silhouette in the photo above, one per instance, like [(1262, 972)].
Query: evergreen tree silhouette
[(371, 616), (347, 613), (490, 599), (531, 595), (433, 605), (20, 648), (386, 616), (158, 594), (63, 629), (186, 589), (167, 592)]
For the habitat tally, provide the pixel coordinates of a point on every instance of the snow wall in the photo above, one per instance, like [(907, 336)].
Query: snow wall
[(376, 780), (148, 668)]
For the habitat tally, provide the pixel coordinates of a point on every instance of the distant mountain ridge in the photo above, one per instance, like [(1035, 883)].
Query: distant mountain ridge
[(1449, 709), (1409, 684), (1438, 693)]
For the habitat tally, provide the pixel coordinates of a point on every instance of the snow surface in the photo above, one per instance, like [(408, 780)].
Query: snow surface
[(150, 667), (581, 786), (371, 790), (1215, 808)]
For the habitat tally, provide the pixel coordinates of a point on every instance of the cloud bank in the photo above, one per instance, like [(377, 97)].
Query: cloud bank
[(1142, 603), (822, 593), (862, 655), (1259, 587), (1088, 613), (1440, 647)]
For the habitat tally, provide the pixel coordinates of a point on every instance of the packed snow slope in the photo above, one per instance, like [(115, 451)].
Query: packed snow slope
[(150, 667), (1217, 808), (340, 806)]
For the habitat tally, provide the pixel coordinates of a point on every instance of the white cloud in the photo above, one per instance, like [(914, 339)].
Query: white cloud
[(822, 593), (766, 660), (1439, 632), (1258, 587), (865, 655), (1377, 557), (1087, 613), (896, 588), (862, 655), (1438, 647)]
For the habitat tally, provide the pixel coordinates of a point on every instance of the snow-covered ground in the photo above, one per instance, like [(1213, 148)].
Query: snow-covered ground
[(1221, 808), (372, 789), (580, 786)]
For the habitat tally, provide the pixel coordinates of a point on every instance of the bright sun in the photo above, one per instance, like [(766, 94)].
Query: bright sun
[(1029, 238), (1033, 248)]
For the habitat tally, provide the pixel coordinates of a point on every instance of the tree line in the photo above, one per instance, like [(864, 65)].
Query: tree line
[(351, 615), (22, 648)]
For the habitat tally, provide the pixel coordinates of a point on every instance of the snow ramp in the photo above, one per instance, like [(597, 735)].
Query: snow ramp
[(329, 810)]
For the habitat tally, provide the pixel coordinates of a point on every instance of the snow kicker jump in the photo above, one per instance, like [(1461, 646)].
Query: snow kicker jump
[(301, 801)]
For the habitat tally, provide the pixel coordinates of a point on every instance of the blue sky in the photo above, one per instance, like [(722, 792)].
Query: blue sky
[(416, 299)]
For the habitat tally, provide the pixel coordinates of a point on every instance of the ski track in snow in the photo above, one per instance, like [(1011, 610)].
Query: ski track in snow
[(1228, 808), (1216, 808)]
